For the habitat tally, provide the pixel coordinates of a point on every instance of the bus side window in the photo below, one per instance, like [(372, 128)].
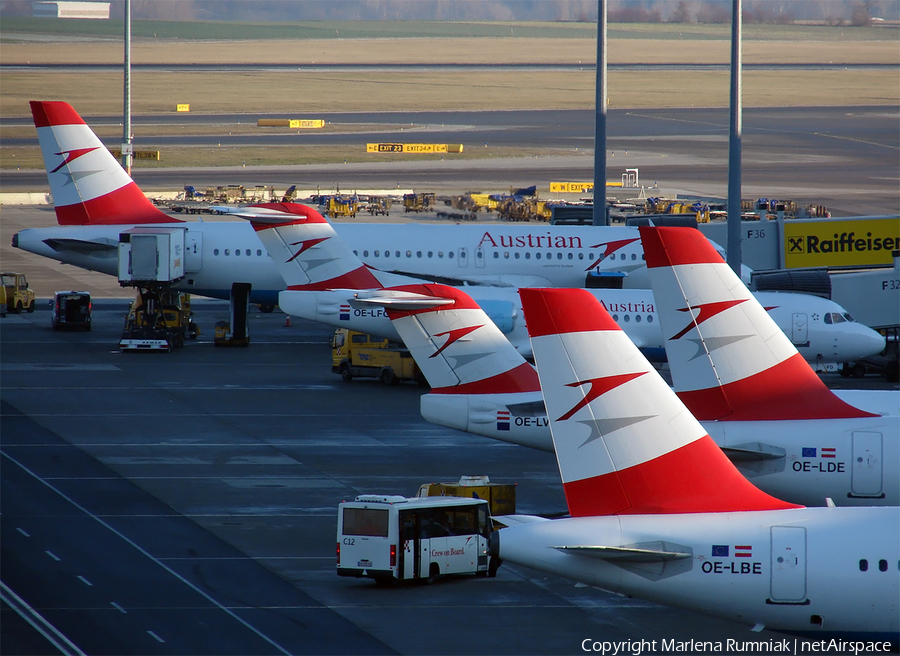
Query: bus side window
[(483, 526), (407, 526)]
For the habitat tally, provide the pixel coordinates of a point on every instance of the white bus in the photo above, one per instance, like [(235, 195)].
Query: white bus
[(392, 537)]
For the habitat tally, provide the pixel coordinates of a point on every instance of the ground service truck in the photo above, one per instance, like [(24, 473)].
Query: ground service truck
[(356, 354)]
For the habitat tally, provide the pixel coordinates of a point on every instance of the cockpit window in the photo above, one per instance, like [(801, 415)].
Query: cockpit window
[(837, 317)]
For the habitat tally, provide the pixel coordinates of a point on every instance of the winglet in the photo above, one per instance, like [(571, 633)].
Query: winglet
[(729, 360), (457, 347), (89, 186), (624, 442)]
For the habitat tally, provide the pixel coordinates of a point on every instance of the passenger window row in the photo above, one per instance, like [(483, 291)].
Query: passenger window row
[(627, 318), (882, 565), (506, 255), (237, 252)]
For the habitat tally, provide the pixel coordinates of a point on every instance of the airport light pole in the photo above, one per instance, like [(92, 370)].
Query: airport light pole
[(127, 146), (734, 145), (599, 210)]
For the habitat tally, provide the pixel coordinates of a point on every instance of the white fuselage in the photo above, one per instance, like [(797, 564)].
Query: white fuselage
[(633, 309), (812, 571), (219, 253), (854, 462)]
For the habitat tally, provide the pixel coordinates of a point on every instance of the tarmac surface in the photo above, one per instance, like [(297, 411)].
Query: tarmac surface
[(185, 503)]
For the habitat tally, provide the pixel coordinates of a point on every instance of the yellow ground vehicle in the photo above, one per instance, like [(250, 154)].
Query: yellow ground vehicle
[(159, 320), (418, 202), (341, 206), (501, 497), (14, 294), (356, 354)]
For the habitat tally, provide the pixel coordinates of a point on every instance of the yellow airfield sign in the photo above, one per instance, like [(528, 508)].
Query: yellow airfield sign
[(413, 148), (842, 242), (296, 124), (138, 154)]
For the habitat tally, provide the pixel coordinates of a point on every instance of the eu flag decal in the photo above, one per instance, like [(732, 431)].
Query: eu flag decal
[(720, 551), (809, 452)]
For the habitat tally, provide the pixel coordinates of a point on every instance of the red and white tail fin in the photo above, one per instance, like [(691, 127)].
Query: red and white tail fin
[(729, 359), (308, 253), (455, 344), (89, 186), (624, 441)]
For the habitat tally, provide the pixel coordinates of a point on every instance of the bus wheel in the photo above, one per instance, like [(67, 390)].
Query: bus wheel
[(493, 566), (433, 573)]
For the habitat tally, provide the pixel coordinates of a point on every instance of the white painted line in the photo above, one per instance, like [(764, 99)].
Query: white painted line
[(148, 555), (155, 637), (23, 532), (53, 556), (85, 581), (118, 608), (41, 625)]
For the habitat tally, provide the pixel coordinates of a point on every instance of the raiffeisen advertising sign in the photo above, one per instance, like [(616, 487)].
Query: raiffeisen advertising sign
[(840, 242)]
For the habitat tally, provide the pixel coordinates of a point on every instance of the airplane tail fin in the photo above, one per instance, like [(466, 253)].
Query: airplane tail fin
[(624, 442), (455, 344), (729, 359), (89, 186), (309, 254)]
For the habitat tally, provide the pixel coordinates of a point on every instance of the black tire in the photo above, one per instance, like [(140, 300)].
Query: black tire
[(858, 370), (266, 308), (845, 370), (493, 566), (346, 374), (30, 307), (434, 572), (388, 377), (19, 307)]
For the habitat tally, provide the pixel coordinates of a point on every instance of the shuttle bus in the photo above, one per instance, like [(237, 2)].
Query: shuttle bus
[(392, 537)]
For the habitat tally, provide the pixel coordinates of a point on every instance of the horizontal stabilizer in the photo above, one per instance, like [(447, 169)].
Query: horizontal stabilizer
[(752, 452), (517, 520), (642, 553), (397, 300), (82, 246)]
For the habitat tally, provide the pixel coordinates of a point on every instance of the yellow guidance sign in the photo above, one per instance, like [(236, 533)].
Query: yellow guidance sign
[(182, 107), (292, 123), (138, 154), (840, 243), (301, 123), (413, 148), (571, 187)]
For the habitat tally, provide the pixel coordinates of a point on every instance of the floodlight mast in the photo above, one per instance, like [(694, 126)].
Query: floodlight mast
[(127, 148), (733, 243), (599, 212)]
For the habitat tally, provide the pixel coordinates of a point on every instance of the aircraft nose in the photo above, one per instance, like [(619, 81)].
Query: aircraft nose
[(865, 342)]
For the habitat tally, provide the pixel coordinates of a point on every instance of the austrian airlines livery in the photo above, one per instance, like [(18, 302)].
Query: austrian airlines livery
[(96, 200), (318, 268), (504, 402), (658, 512)]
